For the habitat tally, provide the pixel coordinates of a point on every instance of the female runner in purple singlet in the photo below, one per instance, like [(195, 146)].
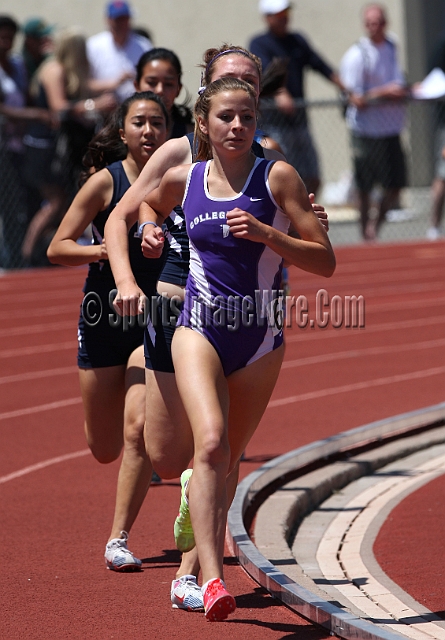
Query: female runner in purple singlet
[(228, 347)]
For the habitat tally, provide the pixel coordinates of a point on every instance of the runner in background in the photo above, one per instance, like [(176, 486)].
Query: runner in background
[(110, 353)]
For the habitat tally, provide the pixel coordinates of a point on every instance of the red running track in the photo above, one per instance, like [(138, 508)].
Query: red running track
[(57, 502), (410, 546)]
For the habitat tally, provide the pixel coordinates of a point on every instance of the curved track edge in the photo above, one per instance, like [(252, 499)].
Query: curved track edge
[(278, 470)]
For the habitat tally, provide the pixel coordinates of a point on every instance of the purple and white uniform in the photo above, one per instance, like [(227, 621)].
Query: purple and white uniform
[(232, 294)]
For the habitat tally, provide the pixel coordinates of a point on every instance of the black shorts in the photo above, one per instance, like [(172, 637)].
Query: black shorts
[(378, 161), (105, 339), (161, 324)]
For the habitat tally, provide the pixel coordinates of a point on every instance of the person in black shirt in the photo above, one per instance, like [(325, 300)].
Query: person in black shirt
[(290, 127)]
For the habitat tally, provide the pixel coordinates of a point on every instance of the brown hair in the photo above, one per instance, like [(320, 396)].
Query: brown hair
[(71, 53), (212, 55), (203, 106)]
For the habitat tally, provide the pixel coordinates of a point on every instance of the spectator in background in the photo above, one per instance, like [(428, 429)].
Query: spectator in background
[(54, 157), (37, 44), (13, 96), (438, 184), (370, 72), (114, 54), (13, 81), (290, 126)]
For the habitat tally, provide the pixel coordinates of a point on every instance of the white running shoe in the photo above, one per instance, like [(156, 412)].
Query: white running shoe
[(186, 594), (118, 557), (433, 233)]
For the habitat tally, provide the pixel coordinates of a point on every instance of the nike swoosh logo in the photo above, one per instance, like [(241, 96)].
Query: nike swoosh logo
[(256, 199), (179, 594)]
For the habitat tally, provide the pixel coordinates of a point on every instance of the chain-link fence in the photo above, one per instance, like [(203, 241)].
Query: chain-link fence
[(421, 140), (38, 179), (21, 197)]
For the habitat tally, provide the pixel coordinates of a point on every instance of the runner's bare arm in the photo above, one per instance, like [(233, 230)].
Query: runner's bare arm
[(125, 214), (158, 206), (312, 251), (94, 196)]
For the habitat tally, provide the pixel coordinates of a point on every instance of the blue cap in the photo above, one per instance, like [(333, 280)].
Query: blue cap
[(117, 9)]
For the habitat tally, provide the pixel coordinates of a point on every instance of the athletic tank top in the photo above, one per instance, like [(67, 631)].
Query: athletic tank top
[(176, 267), (223, 267), (145, 271)]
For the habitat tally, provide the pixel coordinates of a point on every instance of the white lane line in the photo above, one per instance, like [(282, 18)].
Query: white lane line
[(42, 285), (355, 353), (393, 264), (66, 293), (407, 281), (272, 404), (399, 277), (339, 552), (374, 307), (38, 328), (40, 313), (328, 357), (366, 384), (398, 325), (43, 465), (44, 348), (358, 286), (36, 375), (39, 408)]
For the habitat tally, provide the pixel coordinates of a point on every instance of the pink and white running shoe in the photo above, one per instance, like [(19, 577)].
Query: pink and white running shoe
[(218, 602)]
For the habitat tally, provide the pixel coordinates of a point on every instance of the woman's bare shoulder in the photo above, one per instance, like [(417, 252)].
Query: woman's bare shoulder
[(172, 153)]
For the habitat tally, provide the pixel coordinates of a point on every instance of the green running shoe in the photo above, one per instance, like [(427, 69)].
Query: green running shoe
[(183, 531)]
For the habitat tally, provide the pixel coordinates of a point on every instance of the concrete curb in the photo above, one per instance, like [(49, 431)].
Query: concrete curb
[(279, 471)]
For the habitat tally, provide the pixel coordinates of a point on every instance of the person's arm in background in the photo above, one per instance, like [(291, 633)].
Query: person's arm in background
[(282, 97), (52, 77), (317, 63), (352, 74), (284, 101), (26, 114)]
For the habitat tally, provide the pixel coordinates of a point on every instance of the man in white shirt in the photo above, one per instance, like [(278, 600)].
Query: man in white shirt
[(371, 74), (113, 54)]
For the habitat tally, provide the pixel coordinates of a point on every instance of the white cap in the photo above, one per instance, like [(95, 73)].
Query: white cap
[(273, 6)]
